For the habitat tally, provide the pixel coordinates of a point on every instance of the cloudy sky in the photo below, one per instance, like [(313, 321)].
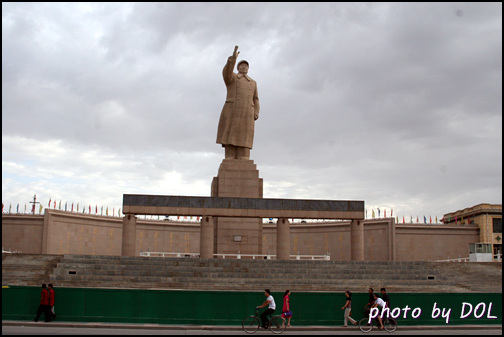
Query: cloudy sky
[(398, 105)]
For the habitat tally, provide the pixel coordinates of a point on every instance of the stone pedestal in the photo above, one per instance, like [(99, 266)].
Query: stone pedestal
[(237, 178)]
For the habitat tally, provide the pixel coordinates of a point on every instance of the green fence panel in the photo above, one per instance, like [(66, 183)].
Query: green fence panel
[(230, 308)]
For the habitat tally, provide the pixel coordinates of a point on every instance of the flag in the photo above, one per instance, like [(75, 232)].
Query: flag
[(17, 208), (436, 219), (391, 213), (54, 204), (396, 219), (89, 209), (101, 211), (72, 206), (385, 212), (119, 212), (10, 207), (65, 206), (96, 209), (424, 219), (59, 207), (373, 214), (417, 219), (113, 212), (366, 213), (411, 219), (430, 219), (403, 219), (49, 204), (40, 209), (106, 213), (24, 208), (378, 212), (77, 207)]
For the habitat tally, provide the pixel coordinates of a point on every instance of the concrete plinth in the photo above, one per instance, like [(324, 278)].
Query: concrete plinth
[(129, 235), (237, 178), (357, 240), (283, 239)]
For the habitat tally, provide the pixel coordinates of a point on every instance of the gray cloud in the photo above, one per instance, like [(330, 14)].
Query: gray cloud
[(395, 104)]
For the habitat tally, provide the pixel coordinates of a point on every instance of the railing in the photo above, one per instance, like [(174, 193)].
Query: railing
[(460, 259), (496, 258), (237, 256)]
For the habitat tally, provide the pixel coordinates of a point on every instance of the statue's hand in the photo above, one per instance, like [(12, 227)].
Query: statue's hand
[(236, 52)]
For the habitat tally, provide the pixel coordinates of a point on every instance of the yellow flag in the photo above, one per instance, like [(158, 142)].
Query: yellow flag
[(40, 209), (373, 214)]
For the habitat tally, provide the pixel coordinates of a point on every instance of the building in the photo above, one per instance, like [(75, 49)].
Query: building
[(487, 217)]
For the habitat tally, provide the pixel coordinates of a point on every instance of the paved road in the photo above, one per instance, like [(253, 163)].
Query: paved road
[(37, 329)]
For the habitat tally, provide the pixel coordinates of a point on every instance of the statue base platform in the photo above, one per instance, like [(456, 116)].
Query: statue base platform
[(237, 178)]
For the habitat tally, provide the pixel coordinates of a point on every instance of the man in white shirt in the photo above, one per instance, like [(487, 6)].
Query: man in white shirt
[(270, 302), (380, 304)]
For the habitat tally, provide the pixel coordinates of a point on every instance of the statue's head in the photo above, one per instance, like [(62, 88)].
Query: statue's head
[(243, 67)]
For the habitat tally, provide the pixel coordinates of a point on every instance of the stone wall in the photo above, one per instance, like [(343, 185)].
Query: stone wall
[(59, 232)]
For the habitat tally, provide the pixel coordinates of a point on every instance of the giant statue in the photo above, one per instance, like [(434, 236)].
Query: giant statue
[(241, 109)]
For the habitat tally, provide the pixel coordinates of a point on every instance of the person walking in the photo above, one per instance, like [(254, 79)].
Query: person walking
[(51, 302), (270, 302), (286, 312), (348, 309), (44, 305)]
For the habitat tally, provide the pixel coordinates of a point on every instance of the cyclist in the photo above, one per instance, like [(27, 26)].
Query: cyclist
[(379, 303), (370, 302), (270, 302)]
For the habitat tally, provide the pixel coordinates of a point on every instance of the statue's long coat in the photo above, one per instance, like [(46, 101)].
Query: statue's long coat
[(236, 124)]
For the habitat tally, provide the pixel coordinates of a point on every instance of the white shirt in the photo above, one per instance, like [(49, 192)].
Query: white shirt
[(272, 304), (380, 302)]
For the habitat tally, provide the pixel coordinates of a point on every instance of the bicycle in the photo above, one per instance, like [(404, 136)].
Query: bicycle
[(251, 324), (389, 324)]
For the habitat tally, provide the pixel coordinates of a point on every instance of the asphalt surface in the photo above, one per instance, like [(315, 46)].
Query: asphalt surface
[(93, 328)]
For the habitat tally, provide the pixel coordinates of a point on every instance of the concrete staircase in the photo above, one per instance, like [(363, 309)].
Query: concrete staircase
[(255, 275), (28, 269)]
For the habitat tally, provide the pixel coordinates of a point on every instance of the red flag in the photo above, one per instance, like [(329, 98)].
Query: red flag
[(430, 219), (89, 209), (54, 204), (96, 209), (403, 219), (49, 204), (72, 206), (391, 213), (385, 213)]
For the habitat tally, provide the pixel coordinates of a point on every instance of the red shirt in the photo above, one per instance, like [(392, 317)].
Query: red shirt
[(44, 297), (51, 297)]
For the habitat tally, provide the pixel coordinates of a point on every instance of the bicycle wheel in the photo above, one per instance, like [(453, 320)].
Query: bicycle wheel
[(250, 324), (364, 326), (277, 324), (390, 324)]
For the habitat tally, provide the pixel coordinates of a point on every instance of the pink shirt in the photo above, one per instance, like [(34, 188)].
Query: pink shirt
[(285, 303)]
